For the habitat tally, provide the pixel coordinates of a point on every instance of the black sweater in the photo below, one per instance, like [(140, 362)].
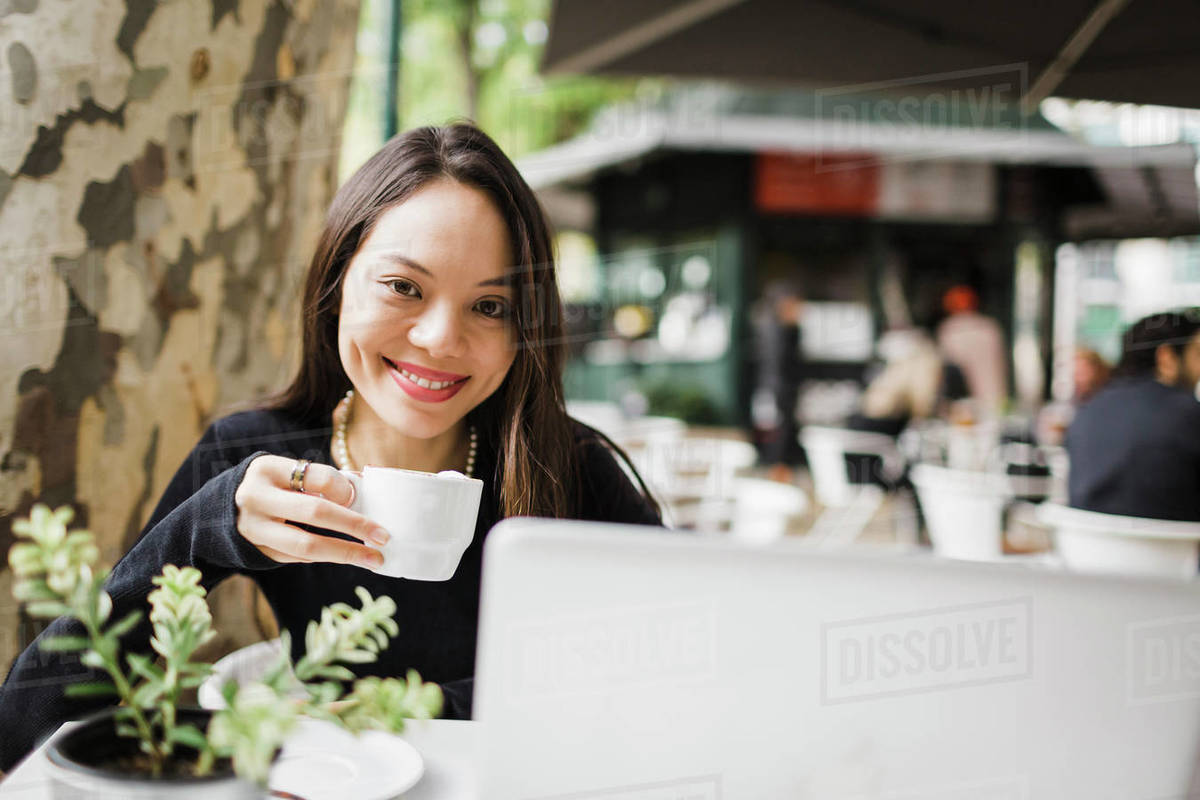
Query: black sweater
[(195, 524)]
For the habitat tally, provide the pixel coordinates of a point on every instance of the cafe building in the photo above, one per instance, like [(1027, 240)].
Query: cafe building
[(697, 201)]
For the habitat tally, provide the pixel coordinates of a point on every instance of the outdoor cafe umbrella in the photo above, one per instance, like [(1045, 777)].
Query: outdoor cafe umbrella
[(1116, 50)]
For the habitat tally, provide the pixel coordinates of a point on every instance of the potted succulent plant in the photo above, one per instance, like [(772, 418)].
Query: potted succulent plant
[(148, 746)]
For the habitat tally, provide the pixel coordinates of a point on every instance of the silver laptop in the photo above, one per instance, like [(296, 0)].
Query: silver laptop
[(621, 662)]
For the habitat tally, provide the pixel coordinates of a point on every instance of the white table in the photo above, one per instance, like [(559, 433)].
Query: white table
[(449, 748)]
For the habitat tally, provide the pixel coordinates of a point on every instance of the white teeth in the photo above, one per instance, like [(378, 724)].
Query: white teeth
[(427, 384)]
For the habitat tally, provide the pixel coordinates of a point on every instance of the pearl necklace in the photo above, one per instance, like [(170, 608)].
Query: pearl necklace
[(341, 453)]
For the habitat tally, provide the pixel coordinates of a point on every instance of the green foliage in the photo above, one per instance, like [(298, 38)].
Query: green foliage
[(478, 60), (496, 44), (252, 728), (259, 714), (385, 703), (55, 566), (182, 621), (348, 635), (688, 403), (55, 577)]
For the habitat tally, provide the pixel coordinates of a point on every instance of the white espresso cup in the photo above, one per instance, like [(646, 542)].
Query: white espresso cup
[(431, 518)]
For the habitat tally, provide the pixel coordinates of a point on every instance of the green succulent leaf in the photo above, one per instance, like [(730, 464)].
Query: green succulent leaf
[(47, 608), (125, 625), (90, 689), (347, 634), (92, 659), (64, 643), (324, 693), (188, 735), (103, 606), (385, 703), (335, 673), (200, 670), (31, 589), (252, 729), (147, 694), (144, 667), (26, 559)]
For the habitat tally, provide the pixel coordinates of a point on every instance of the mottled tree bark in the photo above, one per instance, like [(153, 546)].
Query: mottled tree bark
[(165, 166)]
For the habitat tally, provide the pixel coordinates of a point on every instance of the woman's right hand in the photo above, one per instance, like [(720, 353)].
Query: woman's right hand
[(268, 508)]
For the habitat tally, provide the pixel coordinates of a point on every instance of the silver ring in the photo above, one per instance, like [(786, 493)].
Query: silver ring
[(297, 483)]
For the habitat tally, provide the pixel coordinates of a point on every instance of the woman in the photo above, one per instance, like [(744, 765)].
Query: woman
[(433, 339)]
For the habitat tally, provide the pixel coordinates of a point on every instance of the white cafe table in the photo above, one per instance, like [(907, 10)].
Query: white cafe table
[(449, 748)]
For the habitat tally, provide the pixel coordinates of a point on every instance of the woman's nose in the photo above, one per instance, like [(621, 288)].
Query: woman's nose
[(438, 331)]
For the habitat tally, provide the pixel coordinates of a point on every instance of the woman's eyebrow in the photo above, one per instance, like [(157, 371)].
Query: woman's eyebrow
[(408, 262)]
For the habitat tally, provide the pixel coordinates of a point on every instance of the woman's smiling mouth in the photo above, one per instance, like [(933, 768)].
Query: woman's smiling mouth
[(425, 384)]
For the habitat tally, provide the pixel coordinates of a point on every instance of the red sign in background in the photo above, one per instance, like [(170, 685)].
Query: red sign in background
[(843, 183)]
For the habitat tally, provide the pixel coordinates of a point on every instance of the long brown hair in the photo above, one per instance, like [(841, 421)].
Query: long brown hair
[(525, 420)]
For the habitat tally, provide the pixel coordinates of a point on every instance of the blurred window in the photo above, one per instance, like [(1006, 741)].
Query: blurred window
[(576, 267), (837, 332), (1099, 261), (1186, 254), (673, 291), (1100, 329)]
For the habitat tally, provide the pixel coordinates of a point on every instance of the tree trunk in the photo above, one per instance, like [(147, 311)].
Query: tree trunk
[(466, 47), (165, 169)]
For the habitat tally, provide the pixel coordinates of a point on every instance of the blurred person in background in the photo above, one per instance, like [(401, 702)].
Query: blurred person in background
[(776, 321), (1135, 445), (915, 384), (1091, 372), (975, 344), (909, 387)]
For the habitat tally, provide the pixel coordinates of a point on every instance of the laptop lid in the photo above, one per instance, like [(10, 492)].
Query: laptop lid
[(624, 662)]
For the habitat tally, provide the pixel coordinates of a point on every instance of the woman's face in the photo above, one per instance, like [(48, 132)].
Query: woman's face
[(425, 332)]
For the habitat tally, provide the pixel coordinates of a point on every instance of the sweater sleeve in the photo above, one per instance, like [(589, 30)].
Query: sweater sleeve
[(190, 527), (457, 697)]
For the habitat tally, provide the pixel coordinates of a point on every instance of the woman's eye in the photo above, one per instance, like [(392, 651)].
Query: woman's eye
[(494, 309), (403, 287)]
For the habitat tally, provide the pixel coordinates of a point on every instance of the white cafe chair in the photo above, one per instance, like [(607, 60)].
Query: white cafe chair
[(840, 526), (637, 432), (1088, 541), (964, 510), (640, 437), (826, 448), (696, 475), (973, 447), (763, 509)]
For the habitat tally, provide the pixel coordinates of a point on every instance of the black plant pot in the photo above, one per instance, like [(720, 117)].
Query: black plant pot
[(82, 767)]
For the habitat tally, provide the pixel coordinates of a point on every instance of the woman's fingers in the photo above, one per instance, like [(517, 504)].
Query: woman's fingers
[(289, 544), (277, 555), (324, 480), (265, 500), (319, 479), (311, 509)]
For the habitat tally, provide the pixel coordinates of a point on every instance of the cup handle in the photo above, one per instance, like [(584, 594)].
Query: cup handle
[(355, 479)]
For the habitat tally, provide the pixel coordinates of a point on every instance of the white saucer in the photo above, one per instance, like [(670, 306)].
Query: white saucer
[(320, 761)]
